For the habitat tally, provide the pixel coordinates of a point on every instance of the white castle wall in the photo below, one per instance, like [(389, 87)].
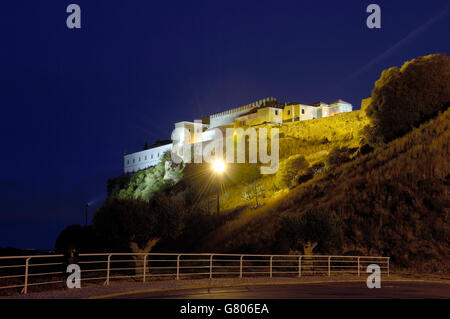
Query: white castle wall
[(144, 159), (308, 112)]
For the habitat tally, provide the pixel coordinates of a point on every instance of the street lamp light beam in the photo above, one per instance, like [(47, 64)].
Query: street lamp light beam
[(218, 167)]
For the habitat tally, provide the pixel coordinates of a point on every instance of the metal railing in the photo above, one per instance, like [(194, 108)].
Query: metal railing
[(23, 272)]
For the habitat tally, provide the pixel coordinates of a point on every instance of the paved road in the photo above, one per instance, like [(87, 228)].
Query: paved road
[(304, 291)]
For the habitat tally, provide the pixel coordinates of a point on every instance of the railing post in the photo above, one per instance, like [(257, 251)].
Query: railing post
[(300, 266), (271, 266), (145, 268), (25, 286), (211, 266), (108, 266), (240, 268), (359, 266), (178, 267), (388, 260), (329, 266)]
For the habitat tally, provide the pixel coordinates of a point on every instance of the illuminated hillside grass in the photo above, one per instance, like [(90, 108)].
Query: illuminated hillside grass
[(393, 202), (142, 185), (315, 138), (312, 139)]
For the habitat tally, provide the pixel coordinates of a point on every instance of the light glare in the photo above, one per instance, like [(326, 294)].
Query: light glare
[(219, 166)]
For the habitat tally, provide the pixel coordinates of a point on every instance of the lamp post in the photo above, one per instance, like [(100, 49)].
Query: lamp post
[(218, 167), (86, 212)]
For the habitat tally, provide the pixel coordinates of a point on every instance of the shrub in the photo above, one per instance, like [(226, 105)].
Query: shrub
[(253, 191), (406, 97), (289, 169), (338, 156)]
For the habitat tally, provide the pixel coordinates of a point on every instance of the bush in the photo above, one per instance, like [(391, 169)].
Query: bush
[(406, 97), (289, 169), (338, 156), (253, 191), (146, 183), (313, 170)]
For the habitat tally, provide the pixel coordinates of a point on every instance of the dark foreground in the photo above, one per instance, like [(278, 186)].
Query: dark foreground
[(352, 290)]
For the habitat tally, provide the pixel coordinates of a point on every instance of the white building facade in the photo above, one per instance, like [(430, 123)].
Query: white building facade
[(144, 159)]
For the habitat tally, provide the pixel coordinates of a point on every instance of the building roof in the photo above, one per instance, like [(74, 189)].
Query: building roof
[(319, 103), (160, 143), (339, 101)]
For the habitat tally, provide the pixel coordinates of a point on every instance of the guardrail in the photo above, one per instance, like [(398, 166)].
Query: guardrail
[(24, 272)]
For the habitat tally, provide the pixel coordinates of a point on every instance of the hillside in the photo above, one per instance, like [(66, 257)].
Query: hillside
[(312, 139), (315, 138), (393, 202)]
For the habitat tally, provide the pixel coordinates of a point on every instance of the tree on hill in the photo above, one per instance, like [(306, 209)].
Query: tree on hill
[(313, 228), (289, 169), (404, 98), (253, 191)]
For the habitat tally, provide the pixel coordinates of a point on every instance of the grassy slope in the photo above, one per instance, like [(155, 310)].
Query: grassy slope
[(339, 130), (393, 201), (305, 138)]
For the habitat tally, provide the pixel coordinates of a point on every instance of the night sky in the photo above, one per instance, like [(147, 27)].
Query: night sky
[(73, 101)]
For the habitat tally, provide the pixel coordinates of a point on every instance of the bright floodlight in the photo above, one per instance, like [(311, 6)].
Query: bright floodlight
[(219, 166)]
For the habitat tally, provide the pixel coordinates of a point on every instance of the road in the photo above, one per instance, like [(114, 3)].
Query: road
[(347, 290)]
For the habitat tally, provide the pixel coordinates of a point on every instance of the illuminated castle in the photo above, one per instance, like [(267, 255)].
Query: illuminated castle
[(265, 111)]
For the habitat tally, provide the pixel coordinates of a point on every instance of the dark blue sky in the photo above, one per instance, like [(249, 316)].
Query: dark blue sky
[(72, 101)]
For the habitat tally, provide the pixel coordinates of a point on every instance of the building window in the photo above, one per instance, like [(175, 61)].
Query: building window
[(158, 154), (128, 162), (139, 159), (276, 112), (303, 111), (289, 112), (145, 157), (152, 156), (134, 160)]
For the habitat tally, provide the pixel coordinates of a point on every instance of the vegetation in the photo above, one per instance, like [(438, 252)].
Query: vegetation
[(339, 156), (404, 98), (253, 192), (317, 228), (289, 169), (142, 185)]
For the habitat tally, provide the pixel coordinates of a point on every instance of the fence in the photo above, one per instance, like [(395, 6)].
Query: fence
[(24, 272)]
